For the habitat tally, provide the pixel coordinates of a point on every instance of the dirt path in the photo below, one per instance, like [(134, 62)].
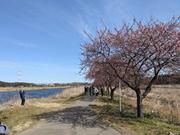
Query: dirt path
[(78, 119)]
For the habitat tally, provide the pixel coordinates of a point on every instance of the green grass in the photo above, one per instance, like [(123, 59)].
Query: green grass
[(151, 124)]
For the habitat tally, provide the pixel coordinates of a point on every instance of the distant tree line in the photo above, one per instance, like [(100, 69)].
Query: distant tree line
[(168, 79), (16, 84), (70, 84), (25, 84)]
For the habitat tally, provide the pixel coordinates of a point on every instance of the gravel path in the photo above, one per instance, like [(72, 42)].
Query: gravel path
[(78, 119)]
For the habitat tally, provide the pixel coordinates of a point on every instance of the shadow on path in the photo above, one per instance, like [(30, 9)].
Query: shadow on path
[(77, 115)]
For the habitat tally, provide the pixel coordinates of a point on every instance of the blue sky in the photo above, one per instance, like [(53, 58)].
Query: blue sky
[(40, 39)]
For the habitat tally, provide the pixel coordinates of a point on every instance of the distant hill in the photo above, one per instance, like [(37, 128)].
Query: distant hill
[(70, 84), (25, 84), (16, 84)]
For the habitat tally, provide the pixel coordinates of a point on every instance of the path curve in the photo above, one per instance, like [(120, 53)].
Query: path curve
[(78, 119)]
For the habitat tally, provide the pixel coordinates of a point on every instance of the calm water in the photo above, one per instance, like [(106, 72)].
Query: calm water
[(14, 95)]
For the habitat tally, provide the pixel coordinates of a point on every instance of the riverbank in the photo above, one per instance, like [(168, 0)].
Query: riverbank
[(19, 118)]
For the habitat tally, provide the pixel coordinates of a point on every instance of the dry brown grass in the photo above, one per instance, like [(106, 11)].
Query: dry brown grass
[(163, 100), (71, 92), (127, 123)]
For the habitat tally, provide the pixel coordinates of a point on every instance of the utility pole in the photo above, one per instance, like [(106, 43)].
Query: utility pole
[(19, 76), (120, 97)]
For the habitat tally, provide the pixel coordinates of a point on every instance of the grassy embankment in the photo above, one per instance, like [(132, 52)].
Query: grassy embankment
[(19, 117), (160, 117)]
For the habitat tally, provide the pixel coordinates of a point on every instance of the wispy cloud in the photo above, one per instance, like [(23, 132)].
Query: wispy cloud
[(86, 8), (82, 21), (56, 14), (36, 66), (22, 44), (79, 25), (60, 15), (116, 12)]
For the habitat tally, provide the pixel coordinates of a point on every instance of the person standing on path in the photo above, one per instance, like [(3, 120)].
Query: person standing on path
[(102, 91), (90, 91), (22, 96), (85, 90), (96, 91)]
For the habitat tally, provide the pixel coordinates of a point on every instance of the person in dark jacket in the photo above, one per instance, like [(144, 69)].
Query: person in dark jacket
[(85, 90), (22, 96), (102, 91), (90, 90)]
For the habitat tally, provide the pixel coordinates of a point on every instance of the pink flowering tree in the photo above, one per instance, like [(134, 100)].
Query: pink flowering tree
[(135, 53)]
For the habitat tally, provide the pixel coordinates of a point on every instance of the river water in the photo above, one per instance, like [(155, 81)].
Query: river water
[(6, 96)]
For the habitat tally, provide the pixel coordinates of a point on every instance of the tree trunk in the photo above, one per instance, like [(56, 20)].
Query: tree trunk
[(108, 90), (139, 104), (112, 94)]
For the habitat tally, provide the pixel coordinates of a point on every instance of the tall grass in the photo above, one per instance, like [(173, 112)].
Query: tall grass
[(164, 101), (71, 92)]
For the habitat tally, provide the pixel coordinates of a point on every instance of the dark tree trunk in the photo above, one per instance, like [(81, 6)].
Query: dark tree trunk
[(139, 104), (108, 90), (112, 94)]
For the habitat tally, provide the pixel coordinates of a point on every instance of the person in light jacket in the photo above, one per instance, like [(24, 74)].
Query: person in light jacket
[(96, 91), (3, 129)]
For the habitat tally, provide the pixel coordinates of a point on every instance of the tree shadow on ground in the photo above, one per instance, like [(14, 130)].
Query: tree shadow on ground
[(77, 116)]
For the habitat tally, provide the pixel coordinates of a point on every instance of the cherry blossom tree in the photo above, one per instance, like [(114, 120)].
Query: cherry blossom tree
[(134, 53), (102, 77)]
